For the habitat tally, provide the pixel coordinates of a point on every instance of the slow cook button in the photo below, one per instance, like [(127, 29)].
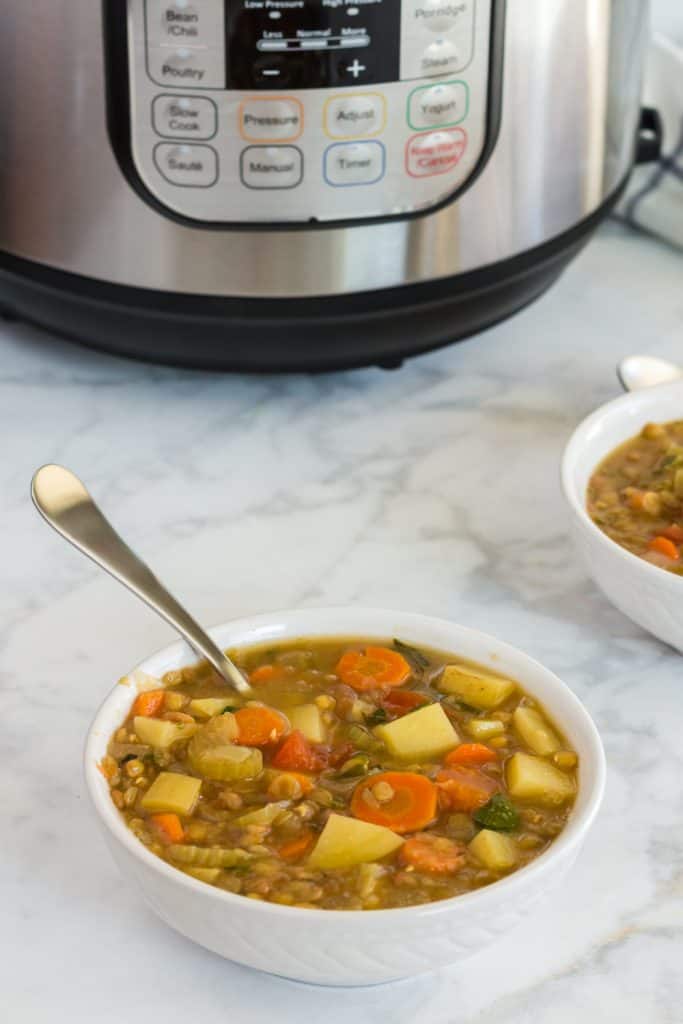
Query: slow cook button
[(188, 166), (185, 117), (354, 163), (271, 119), (438, 106), (440, 15), (435, 153), (272, 166), (441, 57), (355, 116)]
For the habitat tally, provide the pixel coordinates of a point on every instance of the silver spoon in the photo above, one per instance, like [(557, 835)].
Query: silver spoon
[(636, 372), (66, 505)]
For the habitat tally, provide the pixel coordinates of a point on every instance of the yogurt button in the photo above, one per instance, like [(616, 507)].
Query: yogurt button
[(438, 105)]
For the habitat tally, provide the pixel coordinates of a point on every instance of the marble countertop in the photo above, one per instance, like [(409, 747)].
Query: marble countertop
[(434, 488)]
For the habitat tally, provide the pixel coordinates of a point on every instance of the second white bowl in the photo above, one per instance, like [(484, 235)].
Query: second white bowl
[(652, 597)]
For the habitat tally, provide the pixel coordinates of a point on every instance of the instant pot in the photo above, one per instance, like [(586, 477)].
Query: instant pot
[(306, 184)]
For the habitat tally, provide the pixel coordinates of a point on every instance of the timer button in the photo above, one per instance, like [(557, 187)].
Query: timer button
[(361, 115), (354, 163)]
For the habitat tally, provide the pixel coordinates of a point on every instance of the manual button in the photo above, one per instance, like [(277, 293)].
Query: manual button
[(188, 166), (185, 117), (356, 116), (271, 167)]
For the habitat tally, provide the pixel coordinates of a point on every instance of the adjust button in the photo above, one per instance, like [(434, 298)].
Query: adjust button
[(188, 166), (355, 116), (185, 117), (435, 153), (438, 106), (271, 167), (271, 119), (354, 163)]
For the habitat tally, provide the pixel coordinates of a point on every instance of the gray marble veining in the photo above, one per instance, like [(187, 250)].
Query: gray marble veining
[(434, 488)]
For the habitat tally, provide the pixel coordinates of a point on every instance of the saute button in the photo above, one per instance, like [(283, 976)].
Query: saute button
[(354, 163), (435, 106), (185, 117), (354, 116), (435, 153), (440, 15), (440, 58), (188, 166), (271, 119), (271, 166)]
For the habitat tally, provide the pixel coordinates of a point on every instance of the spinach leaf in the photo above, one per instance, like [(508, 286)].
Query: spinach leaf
[(414, 657), (377, 717), (229, 710), (498, 814)]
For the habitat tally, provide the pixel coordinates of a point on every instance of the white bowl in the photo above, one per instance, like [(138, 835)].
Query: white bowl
[(332, 947), (651, 596)]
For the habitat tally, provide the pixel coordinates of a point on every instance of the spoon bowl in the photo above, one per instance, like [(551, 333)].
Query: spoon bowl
[(636, 372)]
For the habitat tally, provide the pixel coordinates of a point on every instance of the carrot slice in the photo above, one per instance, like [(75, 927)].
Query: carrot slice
[(372, 668), (296, 848), (435, 855), (674, 532), (664, 546), (148, 703), (471, 753), (262, 674), (400, 702), (403, 801), (259, 726), (295, 754), (465, 789), (169, 827)]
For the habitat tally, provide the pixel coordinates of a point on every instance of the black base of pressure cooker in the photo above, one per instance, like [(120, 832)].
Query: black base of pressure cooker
[(267, 335)]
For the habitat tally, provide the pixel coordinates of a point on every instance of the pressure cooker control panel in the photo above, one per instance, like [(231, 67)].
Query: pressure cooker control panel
[(292, 111)]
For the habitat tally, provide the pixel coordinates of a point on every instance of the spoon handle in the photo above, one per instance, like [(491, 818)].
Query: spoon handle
[(66, 505)]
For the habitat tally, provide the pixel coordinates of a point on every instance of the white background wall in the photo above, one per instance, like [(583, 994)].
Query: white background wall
[(667, 17)]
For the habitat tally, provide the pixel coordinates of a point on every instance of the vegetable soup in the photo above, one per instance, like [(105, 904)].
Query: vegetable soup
[(636, 495), (358, 775)]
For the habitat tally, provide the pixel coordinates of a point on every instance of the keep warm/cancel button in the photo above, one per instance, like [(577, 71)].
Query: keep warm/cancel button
[(435, 152), (272, 166)]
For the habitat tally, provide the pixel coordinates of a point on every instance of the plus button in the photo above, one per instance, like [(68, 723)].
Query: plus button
[(356, 68)]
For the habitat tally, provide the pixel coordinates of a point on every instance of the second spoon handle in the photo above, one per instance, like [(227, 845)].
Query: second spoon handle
[(65, 503)]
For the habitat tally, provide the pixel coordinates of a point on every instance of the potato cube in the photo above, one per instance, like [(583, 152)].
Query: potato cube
[(308, 720), (483, 729), (345, 842), (532, 778), (420, 736), (207, 707), (161, 734), (472, 686), (495, 851), (172, 792), (535, 731)]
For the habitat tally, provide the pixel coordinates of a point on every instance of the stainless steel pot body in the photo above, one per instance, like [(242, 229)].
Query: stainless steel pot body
[(570, 105)]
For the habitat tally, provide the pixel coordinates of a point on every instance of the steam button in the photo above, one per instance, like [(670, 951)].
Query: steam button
[(441, 57)]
